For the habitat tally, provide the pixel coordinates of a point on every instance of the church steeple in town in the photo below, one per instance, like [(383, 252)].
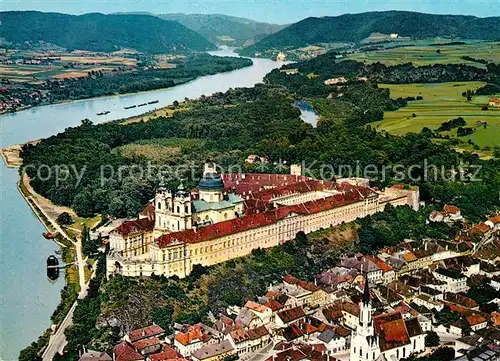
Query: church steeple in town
[(366, 292)]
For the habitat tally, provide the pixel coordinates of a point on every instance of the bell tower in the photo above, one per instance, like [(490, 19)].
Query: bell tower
[(181, 217), (365, 344), (163, 203)]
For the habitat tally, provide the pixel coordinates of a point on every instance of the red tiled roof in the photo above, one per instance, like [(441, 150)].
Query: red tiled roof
[(138, 225), (186, 338), (274, 305), (256, 306), (168, 353), (148, 211), (494, 220), (480, 228), (142, 344), (291, 314), (450, 209), (409, 257), (124, 352), (146, 332), (475, 319), (222, 229), (392, 331), (380, 264)]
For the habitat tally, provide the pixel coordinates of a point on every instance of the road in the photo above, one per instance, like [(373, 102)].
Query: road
[(58, 340)]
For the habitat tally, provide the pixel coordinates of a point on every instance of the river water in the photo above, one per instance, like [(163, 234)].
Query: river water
[(27, 299)]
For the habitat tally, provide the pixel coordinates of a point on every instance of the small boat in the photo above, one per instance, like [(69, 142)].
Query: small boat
[(52, 268), (130, 107), (143, 104), (48, 235), (101, 113), (153, 102), (58, 251)]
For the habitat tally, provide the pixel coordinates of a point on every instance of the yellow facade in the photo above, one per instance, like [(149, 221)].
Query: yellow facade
[(179, 258)]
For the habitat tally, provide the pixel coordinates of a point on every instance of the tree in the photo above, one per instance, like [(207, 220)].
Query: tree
[(432, 339), (64, 219)]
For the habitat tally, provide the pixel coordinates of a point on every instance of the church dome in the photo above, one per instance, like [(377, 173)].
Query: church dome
[(211, 182)]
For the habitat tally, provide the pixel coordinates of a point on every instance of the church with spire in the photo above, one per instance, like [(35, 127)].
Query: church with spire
[(181, 210), (385, 337)]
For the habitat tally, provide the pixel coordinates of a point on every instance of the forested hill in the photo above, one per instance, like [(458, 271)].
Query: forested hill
[(356, 27), (224, 29), (99, 32)]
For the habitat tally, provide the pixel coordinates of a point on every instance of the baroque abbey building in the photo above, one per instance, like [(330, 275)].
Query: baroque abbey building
[(229, 215)]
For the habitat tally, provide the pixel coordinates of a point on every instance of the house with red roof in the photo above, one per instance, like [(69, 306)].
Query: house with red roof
[(125, 352), (191, 338), (152, 331), (287, 317), (261, 311)]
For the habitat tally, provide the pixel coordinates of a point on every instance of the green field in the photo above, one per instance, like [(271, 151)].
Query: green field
[(442, 102), (423, 54)]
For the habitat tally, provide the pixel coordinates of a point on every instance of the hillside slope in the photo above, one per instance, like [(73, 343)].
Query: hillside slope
[(356, 27), (223, 29), (99, 32)]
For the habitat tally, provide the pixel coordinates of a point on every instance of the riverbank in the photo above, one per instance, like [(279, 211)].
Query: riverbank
[(119, 84), (27, 296), (46, 212)]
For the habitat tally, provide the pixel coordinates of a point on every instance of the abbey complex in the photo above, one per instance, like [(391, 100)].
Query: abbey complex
[(229, 215)]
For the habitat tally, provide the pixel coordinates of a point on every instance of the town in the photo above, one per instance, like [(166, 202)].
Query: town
[(406, 300)]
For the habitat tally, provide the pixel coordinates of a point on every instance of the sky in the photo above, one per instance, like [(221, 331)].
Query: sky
[(274, 11)]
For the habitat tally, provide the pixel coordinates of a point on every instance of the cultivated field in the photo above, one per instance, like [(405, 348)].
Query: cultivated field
[(36, 66), (442, 102), (425, 54)]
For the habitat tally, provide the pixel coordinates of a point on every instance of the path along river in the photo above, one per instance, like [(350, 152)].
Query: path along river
[(27, 299)]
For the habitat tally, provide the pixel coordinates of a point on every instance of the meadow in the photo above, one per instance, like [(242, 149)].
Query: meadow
[(58, 65), (442, 102), (423, 53)]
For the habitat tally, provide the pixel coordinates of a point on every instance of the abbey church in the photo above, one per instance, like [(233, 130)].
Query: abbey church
[(228, 215)]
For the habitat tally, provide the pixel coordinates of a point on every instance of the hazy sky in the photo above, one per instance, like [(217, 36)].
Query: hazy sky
[(277, 11)]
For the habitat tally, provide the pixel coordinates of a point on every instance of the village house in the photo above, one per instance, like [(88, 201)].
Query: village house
[(125, 352), (287, 317), (333, 341), (248, 340), (213, 352), (149, 332), (191, 338), (494, 102), (455, 281)]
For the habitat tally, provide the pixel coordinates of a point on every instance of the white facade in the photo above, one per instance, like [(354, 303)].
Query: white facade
[(453, 284)]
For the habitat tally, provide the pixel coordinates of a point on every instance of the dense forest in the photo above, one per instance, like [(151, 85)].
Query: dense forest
[(99, 84), (327, 66), (258, 120), (353, 28), (227, 127), (224, 29), (99, 32)]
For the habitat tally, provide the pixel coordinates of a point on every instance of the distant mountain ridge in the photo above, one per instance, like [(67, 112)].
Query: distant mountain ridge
[(99, 32), (356, 27), (224, 29)]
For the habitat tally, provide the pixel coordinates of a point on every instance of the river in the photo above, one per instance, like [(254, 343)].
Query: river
[(27, 299)]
